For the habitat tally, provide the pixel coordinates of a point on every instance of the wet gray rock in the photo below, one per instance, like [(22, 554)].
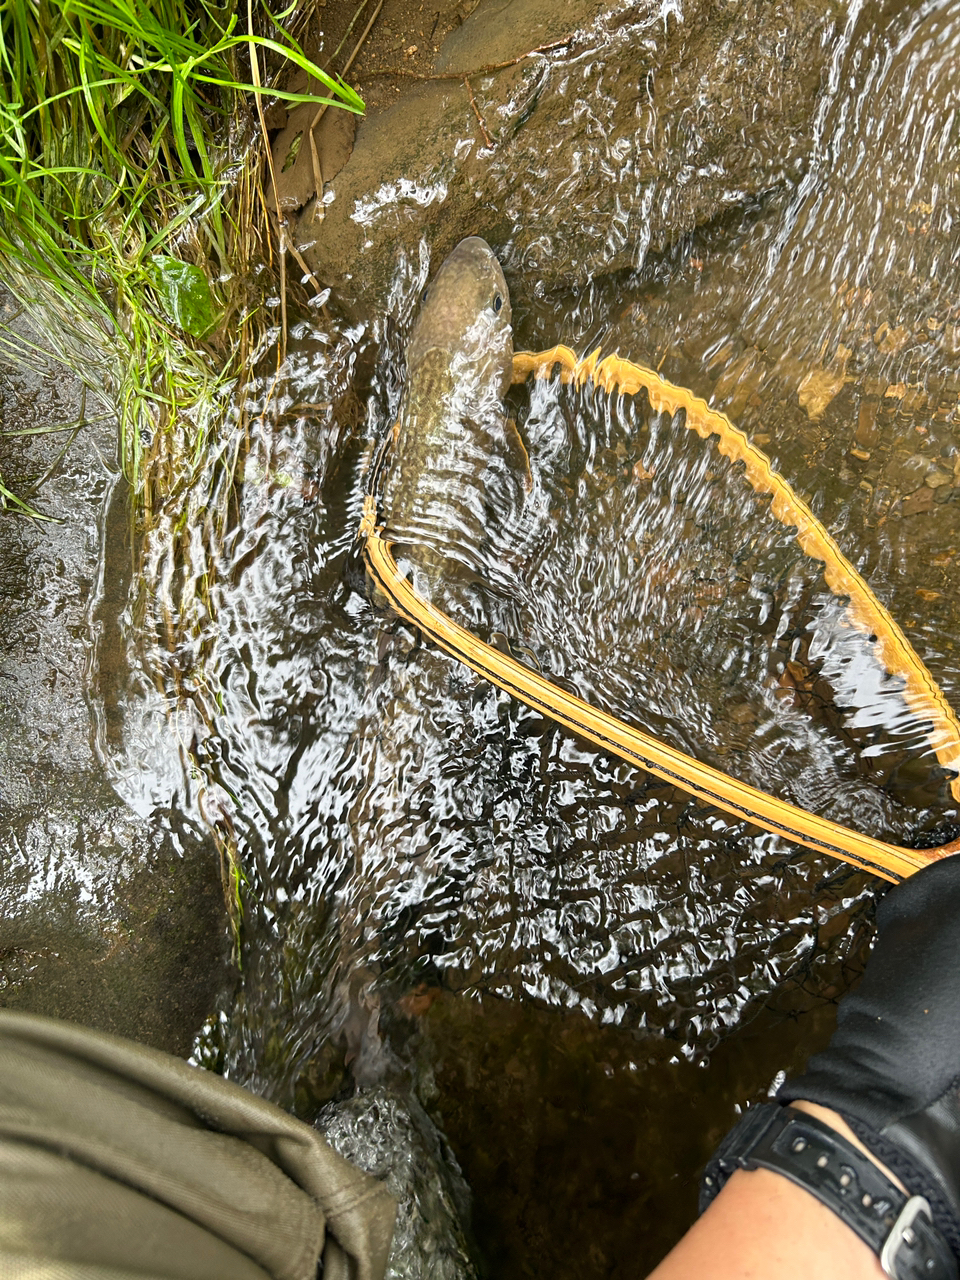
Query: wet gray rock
[(108, 918), (644, 125), (392, 1137)]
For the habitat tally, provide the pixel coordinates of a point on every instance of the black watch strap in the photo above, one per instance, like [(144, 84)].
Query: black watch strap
[(899, 1229)]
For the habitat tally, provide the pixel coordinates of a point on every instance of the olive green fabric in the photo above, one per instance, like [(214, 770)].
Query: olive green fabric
[(120, 1161)]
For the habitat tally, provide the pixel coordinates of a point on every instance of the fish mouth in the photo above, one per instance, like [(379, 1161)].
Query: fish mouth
[(473, 253), (471, 247)]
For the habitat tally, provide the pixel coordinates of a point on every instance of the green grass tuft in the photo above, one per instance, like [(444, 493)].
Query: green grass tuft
[(128, 157)]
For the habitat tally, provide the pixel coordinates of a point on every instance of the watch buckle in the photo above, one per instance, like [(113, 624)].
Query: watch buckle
[(902, 1233)]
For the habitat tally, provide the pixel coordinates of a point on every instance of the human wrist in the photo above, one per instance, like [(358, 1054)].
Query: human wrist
[(847, 1179), (891, 1067), (764, 1225)]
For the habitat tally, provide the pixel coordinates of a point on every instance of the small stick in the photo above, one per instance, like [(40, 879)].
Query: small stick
[(255, 68), (366, 31), (349, 62), (353, 23), (317, 173), (473, 102), (283, 242), (304, 268)]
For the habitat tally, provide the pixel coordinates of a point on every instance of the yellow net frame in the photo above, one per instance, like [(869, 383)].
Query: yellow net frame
[(924, 696)]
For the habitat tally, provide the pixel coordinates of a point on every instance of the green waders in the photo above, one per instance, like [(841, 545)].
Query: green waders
[(118, 1161)]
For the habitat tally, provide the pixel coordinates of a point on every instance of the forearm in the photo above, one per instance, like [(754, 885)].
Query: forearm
[(762, 1225), (891, 1066)]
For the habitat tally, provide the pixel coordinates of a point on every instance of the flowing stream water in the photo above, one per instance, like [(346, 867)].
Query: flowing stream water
[(527, 956)]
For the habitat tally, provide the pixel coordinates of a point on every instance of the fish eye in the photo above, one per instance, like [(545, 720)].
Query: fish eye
[(497, 302), (423, 296)]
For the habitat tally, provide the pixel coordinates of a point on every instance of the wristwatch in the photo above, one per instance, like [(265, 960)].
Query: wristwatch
[(898, 1228)]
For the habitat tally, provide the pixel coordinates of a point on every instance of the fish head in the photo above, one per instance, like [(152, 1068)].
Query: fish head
[(465, 319)]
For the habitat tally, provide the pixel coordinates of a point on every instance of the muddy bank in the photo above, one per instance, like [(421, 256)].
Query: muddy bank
[(107, 918)]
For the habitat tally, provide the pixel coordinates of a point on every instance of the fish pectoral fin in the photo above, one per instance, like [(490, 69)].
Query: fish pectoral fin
[(517, 453), (514, 649), (414, 647), (523, 653), (397, 643)]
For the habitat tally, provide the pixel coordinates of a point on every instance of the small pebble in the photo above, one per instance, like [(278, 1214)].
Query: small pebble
[(918, 503), (890, 340), (910, 473)]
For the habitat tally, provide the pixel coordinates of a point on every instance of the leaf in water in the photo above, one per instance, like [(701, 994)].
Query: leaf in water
[(292, 153), (184, 294)]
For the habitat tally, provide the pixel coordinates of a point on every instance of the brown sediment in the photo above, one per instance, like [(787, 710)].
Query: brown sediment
[(922, 693)]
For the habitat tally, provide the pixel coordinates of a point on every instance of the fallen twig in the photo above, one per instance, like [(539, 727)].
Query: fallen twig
[(473, 102), (303, 266), (349, 62)]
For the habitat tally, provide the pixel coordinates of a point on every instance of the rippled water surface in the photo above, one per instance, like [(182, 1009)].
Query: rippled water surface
[(436, 885)]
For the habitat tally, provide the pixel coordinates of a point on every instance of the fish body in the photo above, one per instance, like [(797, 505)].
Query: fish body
[(451, 439)]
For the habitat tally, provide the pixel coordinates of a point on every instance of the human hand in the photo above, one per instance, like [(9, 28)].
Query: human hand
[(892, 1068)]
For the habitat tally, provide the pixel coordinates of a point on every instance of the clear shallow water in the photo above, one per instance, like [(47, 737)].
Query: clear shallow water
[(403, 829)]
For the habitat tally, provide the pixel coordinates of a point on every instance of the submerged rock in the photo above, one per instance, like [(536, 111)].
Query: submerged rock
[(640, 124), (389, 1135)]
